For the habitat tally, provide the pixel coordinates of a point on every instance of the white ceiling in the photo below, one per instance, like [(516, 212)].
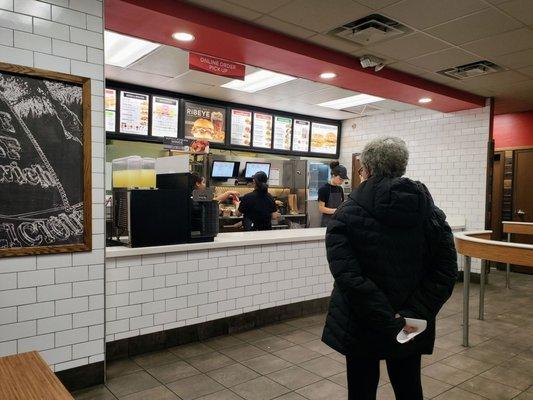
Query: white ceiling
[(446, 33), (167, 68)]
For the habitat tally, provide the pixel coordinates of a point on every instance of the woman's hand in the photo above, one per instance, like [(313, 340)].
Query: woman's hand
[(407, 328)]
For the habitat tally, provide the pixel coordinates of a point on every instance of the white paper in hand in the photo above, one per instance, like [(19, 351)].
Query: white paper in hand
[(419, 324)]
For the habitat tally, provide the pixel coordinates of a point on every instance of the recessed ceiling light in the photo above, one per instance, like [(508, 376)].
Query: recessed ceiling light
[(352, 101), (122, 50), (425, 100), (328, 75), (258, 80), (183, 36)]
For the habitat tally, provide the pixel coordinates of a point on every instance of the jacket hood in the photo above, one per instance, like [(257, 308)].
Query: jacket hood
[(395, 202)]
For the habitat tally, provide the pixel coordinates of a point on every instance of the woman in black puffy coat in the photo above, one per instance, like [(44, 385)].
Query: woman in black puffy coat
[(392, 256)]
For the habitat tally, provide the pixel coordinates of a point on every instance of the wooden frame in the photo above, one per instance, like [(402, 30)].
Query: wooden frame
[(85, 84)]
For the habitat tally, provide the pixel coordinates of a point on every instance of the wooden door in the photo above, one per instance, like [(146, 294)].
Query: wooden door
[(356, 164), (496, 200), (523, 191)]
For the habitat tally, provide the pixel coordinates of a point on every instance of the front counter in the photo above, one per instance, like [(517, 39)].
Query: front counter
[(167, 288)]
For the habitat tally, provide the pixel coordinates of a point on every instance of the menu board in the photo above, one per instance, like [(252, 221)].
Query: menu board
[(164, 116), (241, 127), (262, 130), (324, 138), (282, 133), (300, 136), (134, 113), (110, 109), (205, 122)]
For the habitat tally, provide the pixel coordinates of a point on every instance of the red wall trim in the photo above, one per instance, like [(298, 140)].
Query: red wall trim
[(238, 41), (513, 130)]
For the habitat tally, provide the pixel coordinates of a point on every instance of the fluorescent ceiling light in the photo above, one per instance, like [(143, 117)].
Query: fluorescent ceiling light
[(183, 36), (351, 101), (258, 80), (121, 50), (425, 100)]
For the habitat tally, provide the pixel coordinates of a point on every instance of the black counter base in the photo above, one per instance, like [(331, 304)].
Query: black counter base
[(82, 377)]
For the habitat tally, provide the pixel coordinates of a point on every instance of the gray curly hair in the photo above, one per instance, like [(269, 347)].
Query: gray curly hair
[(385, 157)]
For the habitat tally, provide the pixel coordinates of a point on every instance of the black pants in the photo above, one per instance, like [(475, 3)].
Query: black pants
[(404, 374)]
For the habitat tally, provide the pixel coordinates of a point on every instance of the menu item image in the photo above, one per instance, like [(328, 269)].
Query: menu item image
[(205, 122), (241, 127), (324, 138), (164, 117), (300, 137), (262, 130), (282, 133), (110, 109), (134, 113)]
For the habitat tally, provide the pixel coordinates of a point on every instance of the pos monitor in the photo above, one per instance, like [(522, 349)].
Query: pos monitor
[(224, 169), (252, 167)]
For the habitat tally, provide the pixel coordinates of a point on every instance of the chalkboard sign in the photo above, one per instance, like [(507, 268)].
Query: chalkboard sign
[(45, 162)]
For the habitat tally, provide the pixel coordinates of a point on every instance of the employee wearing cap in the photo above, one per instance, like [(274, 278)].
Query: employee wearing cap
[(331, 195), (258, 207)]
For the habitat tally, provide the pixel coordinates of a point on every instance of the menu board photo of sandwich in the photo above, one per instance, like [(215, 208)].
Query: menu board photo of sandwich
[(324, 138), (134, 113), (241, 127), (110, 101), (300, 137), (205, 122), (282, 133), (164, 116), (262, 131)]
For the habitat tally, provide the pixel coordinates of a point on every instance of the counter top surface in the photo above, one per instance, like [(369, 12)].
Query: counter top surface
[(223, 240)]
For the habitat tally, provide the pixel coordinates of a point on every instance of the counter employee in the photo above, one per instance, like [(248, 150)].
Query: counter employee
[(331, 195), (198, 182), (258, 207)]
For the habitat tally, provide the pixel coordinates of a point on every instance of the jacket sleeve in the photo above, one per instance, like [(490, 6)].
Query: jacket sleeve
[(440, 276), (365, 299)]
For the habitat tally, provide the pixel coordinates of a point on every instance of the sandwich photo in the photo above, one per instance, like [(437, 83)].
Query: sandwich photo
[(203, 129)]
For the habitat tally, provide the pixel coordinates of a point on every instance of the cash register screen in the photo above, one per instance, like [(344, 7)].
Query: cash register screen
[(223, 169), (252, 168)]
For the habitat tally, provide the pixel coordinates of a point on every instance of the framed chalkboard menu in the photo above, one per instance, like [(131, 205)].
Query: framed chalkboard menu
[(45, 162)]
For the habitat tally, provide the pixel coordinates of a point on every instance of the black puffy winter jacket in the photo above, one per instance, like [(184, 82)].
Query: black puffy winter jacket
[(390, 251)]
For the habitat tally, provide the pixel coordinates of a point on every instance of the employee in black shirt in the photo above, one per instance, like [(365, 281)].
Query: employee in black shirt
[(331, 195), (258, 207)]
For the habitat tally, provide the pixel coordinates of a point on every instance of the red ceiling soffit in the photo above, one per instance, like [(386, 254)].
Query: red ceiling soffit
[(221, 36)]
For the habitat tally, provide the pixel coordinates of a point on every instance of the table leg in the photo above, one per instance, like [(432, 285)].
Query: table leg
[(508, 268), (466, 298), (482, 277)]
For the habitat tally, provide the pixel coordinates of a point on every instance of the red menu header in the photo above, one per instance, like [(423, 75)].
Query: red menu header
[(216, 66)]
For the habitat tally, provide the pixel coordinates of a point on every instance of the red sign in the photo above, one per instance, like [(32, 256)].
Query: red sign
[(216, 66)]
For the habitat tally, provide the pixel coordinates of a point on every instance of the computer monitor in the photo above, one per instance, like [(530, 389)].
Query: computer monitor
[(252, 168), (224, 169)]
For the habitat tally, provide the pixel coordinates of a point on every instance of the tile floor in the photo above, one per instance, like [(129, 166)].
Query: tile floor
[(287, 361)]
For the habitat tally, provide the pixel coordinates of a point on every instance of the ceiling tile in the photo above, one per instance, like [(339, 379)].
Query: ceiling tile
[(505, 43), (223, 7), (205, 78), (320, 15), (497, 79), (136, 77), (331, 93), (443, 59), (476, 26), (261, 6), (377, 4), (408, 68), (520, 9), (527, 71), (409, 46), (334, 43), (166, 60), (515, 60), (284, 27), (422, 14), (295, 88)]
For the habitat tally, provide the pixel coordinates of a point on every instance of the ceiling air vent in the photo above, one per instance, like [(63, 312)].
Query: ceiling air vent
[(364, 110), (471, 70), (369, 30)]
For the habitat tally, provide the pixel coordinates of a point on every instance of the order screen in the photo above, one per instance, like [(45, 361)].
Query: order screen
[(222, 169), (252, 168)]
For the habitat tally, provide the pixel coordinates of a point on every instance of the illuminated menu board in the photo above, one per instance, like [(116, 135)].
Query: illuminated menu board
[(205, 122), (262, 130), (164, 116), (300, 136), (134, 113), (241, 127), (110, 109), (282, 133), (324, 138)]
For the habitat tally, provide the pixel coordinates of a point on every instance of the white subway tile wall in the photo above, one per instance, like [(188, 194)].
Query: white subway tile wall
[(154, 293), (55, 303), (447, 152)]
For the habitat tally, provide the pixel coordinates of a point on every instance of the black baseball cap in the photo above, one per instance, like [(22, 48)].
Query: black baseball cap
[(340, 170), (261, 177)]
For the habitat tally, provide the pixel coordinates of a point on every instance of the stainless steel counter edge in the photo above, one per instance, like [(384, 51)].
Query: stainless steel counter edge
[(225, 240)]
